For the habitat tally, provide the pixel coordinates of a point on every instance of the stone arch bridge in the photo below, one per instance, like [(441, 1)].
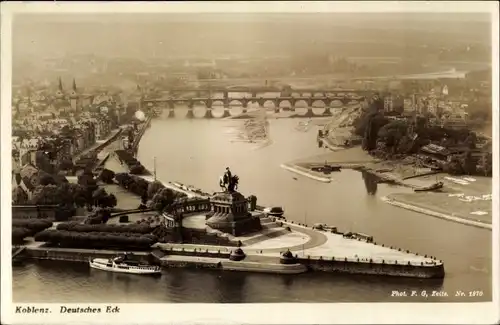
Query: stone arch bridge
[(243, 102)]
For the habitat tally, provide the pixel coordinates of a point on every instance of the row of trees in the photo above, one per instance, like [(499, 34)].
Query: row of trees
[(67, 196), (96, 240), (132, 163), (22, 228), (133, 184), (465, 164)]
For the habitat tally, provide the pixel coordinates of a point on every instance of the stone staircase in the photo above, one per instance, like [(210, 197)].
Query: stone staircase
[(270, 229)]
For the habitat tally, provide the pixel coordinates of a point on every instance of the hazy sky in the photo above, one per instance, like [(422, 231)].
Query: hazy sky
[(138, 34)]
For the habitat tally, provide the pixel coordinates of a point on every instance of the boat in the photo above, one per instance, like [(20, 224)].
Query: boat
[(327, 169), (274, 212), (121, 264), (433, 187)]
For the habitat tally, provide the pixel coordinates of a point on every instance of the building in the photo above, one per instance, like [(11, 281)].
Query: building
[(435, 152), (388, 103), (28, 179), (74, 99), (60, 102), (454, 121), (432, 106)]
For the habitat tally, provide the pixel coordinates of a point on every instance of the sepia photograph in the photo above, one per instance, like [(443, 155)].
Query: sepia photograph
[(239, 157)]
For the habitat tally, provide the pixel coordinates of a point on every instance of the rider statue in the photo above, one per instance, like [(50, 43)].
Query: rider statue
[(228, 182)]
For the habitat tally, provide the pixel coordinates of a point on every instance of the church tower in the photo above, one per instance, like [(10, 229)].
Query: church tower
[(60, 91), (74, 98)]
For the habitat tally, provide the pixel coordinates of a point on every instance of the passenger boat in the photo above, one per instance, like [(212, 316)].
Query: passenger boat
[(121, 264), (433, 187)]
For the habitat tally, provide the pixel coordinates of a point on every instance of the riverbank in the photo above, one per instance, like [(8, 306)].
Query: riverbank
[(441, 206)]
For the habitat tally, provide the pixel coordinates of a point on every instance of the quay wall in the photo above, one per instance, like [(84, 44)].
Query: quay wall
[(189, 263), (264, 267), (361, 267), (211, 259), (138, 137), (73, 254)]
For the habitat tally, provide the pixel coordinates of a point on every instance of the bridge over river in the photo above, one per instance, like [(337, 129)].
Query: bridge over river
[(327, 101)]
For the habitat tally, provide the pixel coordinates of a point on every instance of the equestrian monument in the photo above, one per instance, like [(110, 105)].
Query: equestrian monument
[(229, 209)]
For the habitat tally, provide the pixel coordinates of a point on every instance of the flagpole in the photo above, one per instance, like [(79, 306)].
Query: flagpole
[(303, 243), (154, 166)]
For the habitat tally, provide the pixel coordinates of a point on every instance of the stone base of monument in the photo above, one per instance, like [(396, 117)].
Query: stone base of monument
[(237, 228), (229, 214)]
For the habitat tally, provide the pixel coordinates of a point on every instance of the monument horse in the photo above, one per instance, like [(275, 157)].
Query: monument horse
[(229, 182)]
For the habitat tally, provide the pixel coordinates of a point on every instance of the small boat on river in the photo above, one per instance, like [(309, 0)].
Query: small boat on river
[(121, 264), (433, 187)]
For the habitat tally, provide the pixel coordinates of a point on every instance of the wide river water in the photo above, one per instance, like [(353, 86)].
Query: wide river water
[(196, 152)]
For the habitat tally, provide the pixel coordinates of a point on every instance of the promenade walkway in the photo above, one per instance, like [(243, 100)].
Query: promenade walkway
[(171, 186)]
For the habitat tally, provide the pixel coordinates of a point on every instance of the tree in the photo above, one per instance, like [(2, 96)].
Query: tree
[(485, 164), (66, 164), (98, 196), (47, 179), (107, 176), (43, 162), (454, 166), (471, 140), (19, 196), (468, 163), (44, 195), (112, 201), (392, 133), (137, 169), (162, 199), (153, 188)]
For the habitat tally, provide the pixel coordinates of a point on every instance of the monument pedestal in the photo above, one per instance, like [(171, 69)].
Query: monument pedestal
[(229, 214)]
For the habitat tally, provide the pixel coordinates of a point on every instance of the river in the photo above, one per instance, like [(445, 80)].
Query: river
[(196, 152)]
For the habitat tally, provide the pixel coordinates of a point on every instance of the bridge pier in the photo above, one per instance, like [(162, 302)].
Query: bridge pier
[(190, 113), (226, 113), (276, 110), (171, 113), (310, 112), (208, 113), (208, 103)]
